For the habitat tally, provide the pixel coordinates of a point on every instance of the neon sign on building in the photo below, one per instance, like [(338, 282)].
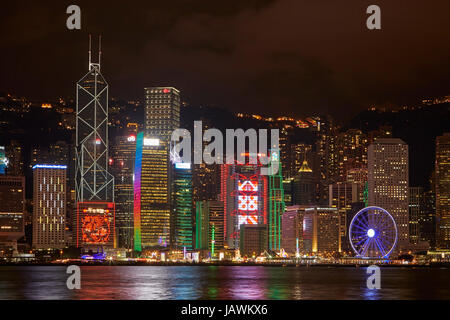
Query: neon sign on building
[(247, 202), (95, 225)]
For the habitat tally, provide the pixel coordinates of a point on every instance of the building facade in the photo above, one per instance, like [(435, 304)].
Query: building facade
[(209, 226), (12, 210), (49, 209), (253, 240), (388, 182), (162, 112), (304, 186), (321, 231), (122, 167), (183, 206), (276, 205), (292, 229), (342, 196), (152, 213), (442, 171), (244, 192)]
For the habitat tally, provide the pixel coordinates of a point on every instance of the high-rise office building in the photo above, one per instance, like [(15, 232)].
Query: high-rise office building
[(12, 210), (414, 213), (421, 217), (182, 207), (295, 153), (94, 185), (209, 225), (326, 146), (202, 225), (442, 171), (253, 240), (206, 177), (244, 192), (321, 231), (206, 181), (304, 186), (276, 203), (292, 229), (342, 196), (151, 194), (162, 112), (162, 116), (15, 155), (427, 218), (359, 176), (56, 153), (351, 152), (388, 183), (287, 187), (122, 167), (49, 209), (59, 153)]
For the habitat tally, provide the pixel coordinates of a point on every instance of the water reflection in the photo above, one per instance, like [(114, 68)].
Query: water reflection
[(219, 282)]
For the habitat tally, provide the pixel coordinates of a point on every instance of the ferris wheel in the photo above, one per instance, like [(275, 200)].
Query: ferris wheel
[(373, 233)]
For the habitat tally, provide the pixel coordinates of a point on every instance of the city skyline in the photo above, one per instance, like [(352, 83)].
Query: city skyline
[(277, 133)]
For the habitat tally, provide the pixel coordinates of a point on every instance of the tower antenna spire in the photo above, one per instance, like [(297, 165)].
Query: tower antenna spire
[(99, 50), (89, 52)]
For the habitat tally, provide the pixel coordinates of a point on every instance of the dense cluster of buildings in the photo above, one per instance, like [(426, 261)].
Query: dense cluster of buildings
[(131, 193)]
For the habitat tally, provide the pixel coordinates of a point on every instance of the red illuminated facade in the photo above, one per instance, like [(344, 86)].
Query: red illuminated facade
[(244, 194), (95, 224)]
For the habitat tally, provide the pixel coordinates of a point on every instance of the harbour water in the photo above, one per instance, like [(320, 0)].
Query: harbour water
[(222, 282)]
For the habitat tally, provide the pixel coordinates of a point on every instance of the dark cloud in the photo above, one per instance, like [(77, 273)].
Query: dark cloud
[(293, 57)]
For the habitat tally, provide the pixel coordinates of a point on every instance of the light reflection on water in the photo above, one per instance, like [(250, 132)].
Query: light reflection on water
[(220, 282)]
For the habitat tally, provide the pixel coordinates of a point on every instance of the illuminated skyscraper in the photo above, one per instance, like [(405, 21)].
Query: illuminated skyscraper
[(304, 186), (321, 231), (182, 207), (388, 182), (162, 112), (209, 216), (201, 225), (442, 168), (421, 217), (12, 209), (56, 153), (93, 182), (49, 209), (358, 176), (122, 167), (162, 116), (14, 154), (151, 194), (351, 152), (244, 192), (206, 177), (292, 229), (342, 196), (276, 204), (326, 150)]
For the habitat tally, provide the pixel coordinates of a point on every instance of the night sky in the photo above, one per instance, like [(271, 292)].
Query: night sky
[(290, 57)]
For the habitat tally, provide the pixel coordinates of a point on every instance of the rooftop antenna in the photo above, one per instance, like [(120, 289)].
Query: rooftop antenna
[(99, 50), (92, 64), (90, 52)]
